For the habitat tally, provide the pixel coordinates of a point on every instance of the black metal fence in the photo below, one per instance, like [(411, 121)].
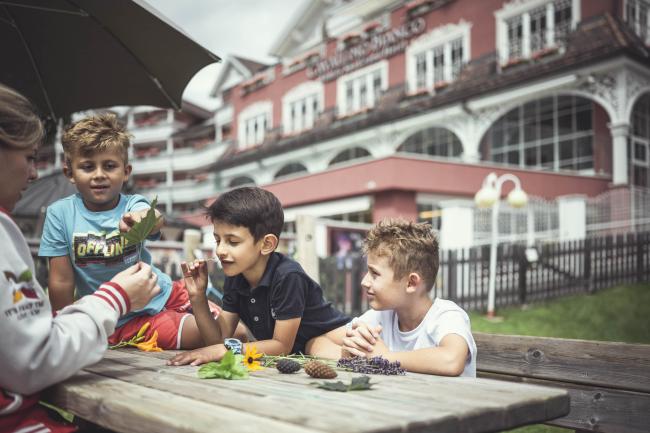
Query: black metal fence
[(547, 271)]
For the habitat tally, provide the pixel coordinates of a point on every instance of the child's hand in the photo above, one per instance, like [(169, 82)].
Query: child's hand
[(130, 218), (199, 356), (195, 275), (140, 284), (360, 338)]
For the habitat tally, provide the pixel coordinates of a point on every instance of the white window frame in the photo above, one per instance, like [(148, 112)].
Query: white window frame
[(254, 112), (441, 36), (523, 8), (634, 22), (368, 73), (305, 93)]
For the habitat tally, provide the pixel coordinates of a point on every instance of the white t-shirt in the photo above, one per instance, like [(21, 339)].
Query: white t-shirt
[(443, 318)]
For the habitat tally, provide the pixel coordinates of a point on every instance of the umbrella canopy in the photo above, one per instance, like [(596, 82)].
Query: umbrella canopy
[(73, 55)]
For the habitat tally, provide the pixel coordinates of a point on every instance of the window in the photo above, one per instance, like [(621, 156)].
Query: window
[(434, 142), (350, 154), (639, 152), (302, 106), (554, 133), (363, 88), (636, 16), (534, 28), (254, 122), (290, 169), (437, 57)]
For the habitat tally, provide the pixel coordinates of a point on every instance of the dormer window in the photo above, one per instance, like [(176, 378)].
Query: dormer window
[(637, 17), (526, 30)]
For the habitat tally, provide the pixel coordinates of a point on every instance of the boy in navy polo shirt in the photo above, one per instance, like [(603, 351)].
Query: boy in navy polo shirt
[(269, 292)]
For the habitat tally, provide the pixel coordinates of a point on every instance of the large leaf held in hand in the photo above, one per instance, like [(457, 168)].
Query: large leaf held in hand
[(140, 230)]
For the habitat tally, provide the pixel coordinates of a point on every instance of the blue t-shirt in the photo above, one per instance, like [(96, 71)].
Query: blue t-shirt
[(95, 246)]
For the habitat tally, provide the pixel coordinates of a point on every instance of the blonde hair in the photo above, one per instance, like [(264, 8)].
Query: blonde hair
[(95, 134), (20, 126), (409, 247)]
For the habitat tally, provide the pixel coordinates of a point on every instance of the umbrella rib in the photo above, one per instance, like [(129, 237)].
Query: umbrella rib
[(41, 8), (153, 78), (32, 61)]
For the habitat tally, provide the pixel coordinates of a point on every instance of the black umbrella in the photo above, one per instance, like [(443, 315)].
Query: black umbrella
[(72, 55)]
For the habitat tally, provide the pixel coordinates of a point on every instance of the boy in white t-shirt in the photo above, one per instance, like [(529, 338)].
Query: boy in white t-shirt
[(405, 325)]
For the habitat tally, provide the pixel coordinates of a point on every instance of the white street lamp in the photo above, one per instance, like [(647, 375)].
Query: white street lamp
[(488, 196)]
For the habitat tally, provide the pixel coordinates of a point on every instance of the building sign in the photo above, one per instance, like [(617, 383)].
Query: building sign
[(377, 47)]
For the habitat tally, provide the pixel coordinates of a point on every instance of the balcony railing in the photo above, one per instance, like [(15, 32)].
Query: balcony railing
[(181, 159)]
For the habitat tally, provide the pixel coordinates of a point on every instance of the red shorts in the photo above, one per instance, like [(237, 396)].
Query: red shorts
[(168, 323)]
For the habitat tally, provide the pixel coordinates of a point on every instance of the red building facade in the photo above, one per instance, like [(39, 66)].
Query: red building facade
[(386, 108)]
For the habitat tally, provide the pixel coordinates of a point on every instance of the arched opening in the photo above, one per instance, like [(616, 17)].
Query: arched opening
[(434, 142), (639, 150), (289, 169), (241, 181), (557, 133), (350, 154)]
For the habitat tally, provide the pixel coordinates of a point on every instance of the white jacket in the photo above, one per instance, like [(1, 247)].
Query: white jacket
[(36, 349)]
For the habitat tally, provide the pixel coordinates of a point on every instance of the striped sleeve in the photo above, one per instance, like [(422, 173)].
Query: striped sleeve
[(115, 296)]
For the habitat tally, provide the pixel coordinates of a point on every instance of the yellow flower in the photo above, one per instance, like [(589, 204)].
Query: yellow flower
[(142, 330), (251, 358), (151, 345)]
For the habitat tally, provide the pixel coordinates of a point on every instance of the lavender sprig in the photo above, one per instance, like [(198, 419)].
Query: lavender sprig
[(375, 365)]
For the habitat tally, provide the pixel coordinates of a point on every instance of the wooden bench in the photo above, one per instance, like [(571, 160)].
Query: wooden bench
[(609, 383)]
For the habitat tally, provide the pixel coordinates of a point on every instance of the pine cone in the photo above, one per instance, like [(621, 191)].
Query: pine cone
[(287, 366), (318, 370)]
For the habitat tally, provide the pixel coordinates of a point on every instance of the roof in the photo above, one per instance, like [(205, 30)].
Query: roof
[(596, 39), (42, 193), (245, 67)]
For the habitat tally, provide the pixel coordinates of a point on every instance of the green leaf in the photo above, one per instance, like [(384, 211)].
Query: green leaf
[(360, 383), (336, 386), (25, 276), (142, 229), (357, 384), (230, 367)]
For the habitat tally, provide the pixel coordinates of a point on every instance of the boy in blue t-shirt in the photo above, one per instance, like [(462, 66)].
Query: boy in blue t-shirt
[(271, 293), (82, 235)]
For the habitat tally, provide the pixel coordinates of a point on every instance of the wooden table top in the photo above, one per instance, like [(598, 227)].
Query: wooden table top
[(133, 391)]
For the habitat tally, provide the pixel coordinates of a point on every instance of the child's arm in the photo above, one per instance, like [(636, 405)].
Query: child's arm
[(60, 282), (212, 331), (281, 344), (448, 359)]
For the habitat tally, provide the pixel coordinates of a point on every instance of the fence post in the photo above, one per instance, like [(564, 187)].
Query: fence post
[(588, 282), (453, 277), (523, 270), (640, 247)]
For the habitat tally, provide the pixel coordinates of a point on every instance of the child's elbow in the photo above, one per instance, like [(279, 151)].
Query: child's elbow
[(454, 365)]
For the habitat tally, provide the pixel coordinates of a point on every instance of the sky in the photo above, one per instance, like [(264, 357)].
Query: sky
[(247, 28)]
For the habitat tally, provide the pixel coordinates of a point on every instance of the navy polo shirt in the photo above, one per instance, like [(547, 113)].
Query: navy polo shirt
[(284, 292)]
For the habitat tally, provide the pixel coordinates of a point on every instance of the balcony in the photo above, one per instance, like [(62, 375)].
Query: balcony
[(184, 191), (182, 159)]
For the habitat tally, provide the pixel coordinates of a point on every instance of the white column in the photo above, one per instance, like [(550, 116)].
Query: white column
[(550, 25), (572, 213), (620, 134), (525, 43), (306, 245), (457, 224)]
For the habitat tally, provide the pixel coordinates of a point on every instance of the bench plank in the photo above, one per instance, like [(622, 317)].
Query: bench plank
[(597, 409), (578, 361)]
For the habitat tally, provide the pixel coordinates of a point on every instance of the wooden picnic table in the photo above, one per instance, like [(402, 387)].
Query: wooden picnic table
[(133, 391)]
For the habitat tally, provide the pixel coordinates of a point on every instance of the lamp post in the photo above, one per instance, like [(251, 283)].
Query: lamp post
[(488, 197)]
